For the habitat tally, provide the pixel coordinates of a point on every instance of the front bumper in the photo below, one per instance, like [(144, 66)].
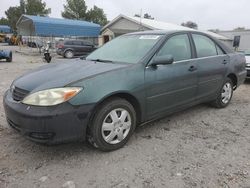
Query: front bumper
[(55, 124)]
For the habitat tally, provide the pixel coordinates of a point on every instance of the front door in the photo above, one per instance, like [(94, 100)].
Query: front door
[(174, 85)]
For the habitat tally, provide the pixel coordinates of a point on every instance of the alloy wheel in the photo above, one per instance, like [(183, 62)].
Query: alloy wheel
[(69, 54), (116, 126), (226, 93)]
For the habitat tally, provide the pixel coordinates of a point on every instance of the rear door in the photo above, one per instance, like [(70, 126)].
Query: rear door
[(87, 47), (211, 64), (78, 47), (174, 85)]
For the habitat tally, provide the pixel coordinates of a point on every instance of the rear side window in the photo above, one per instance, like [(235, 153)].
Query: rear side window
[(78, 43), (68, 43), (86, 43), (205, 47), (178, 46)]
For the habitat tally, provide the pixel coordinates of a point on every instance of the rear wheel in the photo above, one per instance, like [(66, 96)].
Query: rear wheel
[(225, 94), (112, 125), (69, 54)]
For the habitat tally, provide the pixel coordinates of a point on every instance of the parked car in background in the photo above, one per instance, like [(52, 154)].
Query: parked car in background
[(71, 48), (133, 79), (6, 54), (247, 55)]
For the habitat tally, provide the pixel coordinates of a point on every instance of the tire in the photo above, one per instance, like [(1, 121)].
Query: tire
[(226, 89), (9, 59), (47, 57), (117, 131), (69, 54)]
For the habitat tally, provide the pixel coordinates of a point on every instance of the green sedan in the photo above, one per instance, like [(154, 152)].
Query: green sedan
[(134, 79)]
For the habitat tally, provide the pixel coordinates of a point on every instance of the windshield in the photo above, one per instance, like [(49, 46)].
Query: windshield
[(126, 49)]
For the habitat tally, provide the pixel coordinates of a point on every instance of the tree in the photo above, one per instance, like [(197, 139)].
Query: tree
[(36, 7), (147, 16), (22, 6), (31, 7), (240, 29), (190, 24), (214, 30), (97, 15), (77, 9), (13, 14), (4, 21)]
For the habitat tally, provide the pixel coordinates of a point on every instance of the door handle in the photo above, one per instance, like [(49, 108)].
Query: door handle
[(192, 68), (224, 62)]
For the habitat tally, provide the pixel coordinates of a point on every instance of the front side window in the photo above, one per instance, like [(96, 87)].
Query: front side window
[(126, 49), (178, 46), (205, 47)]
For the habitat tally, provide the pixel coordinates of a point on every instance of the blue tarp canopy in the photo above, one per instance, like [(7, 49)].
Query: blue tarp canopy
[(45, 26), (5, 29)]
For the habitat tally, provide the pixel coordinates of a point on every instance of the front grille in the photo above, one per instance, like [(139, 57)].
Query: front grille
[(18, 94), (41, 136)]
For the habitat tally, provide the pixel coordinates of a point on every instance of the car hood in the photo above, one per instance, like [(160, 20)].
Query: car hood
[(63, 73)]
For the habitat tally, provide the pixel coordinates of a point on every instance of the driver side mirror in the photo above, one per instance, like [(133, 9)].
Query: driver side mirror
[(163, 60)]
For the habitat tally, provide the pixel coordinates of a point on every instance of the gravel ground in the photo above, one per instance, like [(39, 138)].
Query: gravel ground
[(199, 147)]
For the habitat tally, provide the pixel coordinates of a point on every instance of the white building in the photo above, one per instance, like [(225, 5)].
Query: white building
[(244, 37), (126, 24)]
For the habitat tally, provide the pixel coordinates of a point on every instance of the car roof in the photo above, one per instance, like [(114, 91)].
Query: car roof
[(166, 32)]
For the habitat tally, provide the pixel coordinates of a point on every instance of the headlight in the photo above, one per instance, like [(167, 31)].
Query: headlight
[(51, 97)]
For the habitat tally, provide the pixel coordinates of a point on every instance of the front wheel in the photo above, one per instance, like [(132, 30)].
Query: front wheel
[(225, 95), (112, 125)]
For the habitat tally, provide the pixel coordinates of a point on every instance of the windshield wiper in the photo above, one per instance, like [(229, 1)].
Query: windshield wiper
[(101, 60)]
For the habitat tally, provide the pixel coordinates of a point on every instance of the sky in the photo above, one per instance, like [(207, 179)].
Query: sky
[(208, 14)]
